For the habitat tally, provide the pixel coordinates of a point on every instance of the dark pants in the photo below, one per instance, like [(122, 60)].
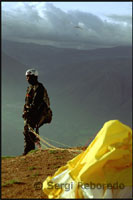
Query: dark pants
[(29, 138)]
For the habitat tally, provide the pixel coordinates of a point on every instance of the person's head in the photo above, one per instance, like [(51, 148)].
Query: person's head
[(31, 76)]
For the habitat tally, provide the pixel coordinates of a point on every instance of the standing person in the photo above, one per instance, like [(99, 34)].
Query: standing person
[(36, 99)]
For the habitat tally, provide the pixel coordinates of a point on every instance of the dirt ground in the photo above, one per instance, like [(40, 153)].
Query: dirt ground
[(23, 176)]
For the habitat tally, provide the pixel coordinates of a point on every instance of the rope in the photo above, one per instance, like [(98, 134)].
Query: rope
[(57, 142), (44, 145), (36, 136), (44, 141)]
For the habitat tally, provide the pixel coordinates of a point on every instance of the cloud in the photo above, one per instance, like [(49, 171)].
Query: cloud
[(74, 29), (124, 19)]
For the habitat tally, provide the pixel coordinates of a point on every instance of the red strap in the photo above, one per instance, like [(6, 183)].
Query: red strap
[(27, 95)]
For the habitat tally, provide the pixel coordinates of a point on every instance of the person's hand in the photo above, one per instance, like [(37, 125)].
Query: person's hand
[(25, 114)]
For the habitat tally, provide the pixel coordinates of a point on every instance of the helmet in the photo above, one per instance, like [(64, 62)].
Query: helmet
[(31, 72)]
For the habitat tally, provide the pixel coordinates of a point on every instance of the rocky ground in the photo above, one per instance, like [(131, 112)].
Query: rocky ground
[(23, 176)]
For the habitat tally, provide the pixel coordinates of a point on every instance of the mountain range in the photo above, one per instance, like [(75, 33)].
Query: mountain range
[(86, 89)]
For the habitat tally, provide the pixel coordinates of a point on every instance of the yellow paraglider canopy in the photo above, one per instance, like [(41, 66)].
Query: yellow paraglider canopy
[(106, 161)]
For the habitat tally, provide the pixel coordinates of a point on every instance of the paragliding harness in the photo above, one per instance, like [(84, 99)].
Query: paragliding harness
[(45, 112), (45, 115)]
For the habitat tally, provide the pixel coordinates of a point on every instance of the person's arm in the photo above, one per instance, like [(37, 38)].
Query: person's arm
[(25, 105)]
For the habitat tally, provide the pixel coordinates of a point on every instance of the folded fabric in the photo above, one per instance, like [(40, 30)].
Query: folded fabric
[(103, 170)]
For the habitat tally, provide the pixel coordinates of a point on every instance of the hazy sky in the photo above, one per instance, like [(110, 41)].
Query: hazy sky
[(68, 24)]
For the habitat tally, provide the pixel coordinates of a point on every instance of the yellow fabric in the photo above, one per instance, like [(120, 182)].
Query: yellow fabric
[(107, 160)]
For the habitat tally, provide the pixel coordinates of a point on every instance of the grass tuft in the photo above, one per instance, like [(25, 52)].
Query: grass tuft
[(11, 182), (5, 157), (31, 168), (36, 174), (33, 151), (53, 151)]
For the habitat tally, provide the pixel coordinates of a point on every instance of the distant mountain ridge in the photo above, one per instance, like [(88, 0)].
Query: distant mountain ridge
[(29, 53)]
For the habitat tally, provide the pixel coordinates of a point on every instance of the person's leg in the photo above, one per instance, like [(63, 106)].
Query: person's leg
[(36, 117), (34, 138), (37, 140), (29, 143)]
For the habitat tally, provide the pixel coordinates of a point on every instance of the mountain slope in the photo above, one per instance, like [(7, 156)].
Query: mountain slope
[(86, 88), (23, 176)]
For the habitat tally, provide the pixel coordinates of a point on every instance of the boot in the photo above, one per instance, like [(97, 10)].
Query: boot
[(28, 143), (38, 144)]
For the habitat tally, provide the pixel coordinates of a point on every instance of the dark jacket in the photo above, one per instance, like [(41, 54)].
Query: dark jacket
[(36, 98)]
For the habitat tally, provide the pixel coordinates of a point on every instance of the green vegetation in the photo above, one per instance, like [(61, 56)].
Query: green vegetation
[(11, 182), (36, 174), (64, 150), (33, 151), (5, 157), (60, 157), (53, 151), (31, 168), (54, 166)]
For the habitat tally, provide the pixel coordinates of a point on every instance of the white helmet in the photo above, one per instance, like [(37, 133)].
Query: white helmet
[(31, 72)]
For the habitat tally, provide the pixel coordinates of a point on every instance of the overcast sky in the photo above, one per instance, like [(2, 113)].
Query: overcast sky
[(81, 25)]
